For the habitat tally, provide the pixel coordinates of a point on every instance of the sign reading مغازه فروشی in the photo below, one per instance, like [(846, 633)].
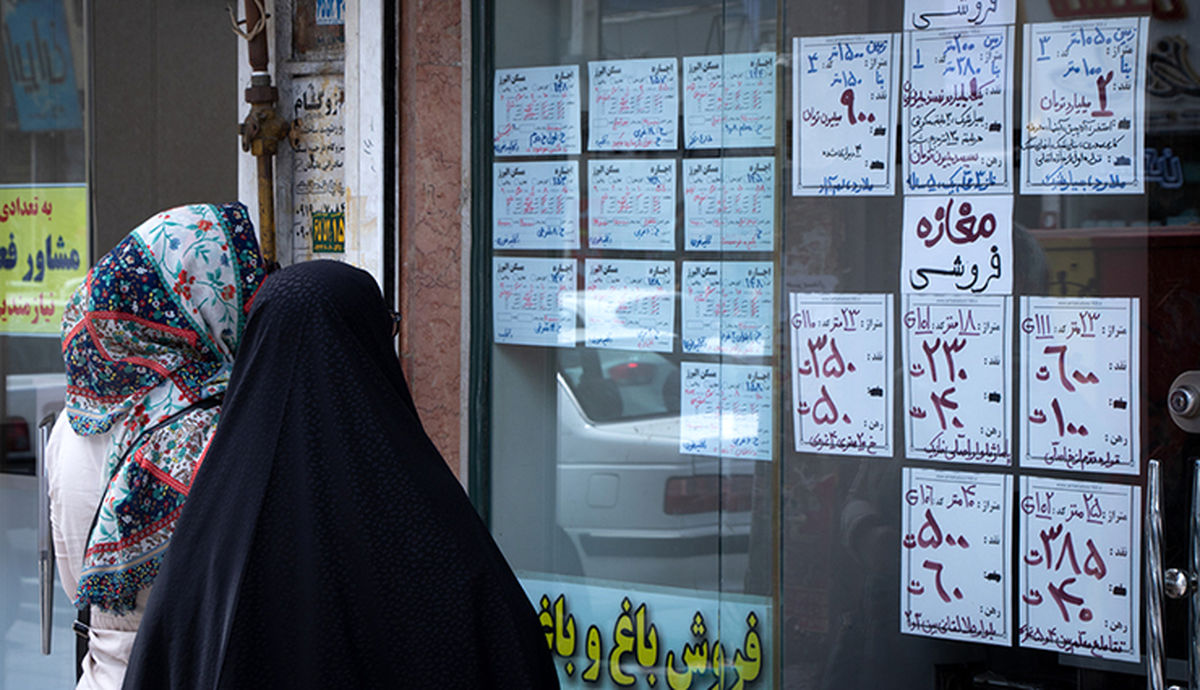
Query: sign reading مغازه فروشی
[(43, 255)]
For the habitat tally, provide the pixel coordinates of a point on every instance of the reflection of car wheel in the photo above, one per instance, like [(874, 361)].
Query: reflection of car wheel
[(565, 559)]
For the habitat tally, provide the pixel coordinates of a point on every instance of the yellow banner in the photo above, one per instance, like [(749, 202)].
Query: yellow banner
[(43, 255)]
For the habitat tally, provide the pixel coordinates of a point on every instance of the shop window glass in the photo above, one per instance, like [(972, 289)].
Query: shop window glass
[(44, 253), (971, 227)]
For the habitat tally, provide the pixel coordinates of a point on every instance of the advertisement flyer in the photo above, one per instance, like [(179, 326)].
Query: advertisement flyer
[(634, 105), (729, 204), (629, 304), (1079, 568), (533, 301), (535, 205), (1080, 407), (842, 373), (920, 15), (43, 255), (957, 105), (726, 410), (958, 378), (631, 204), (1084, 105), (614, 635), (728, 307), (536, 111), (844, 133), (729, 101), (955, 569), (957, 245)]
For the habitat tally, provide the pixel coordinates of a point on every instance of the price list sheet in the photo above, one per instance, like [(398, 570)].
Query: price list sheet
[(1080, 545), (1080, 407), (955, 570), (842, 373), (958, 378)]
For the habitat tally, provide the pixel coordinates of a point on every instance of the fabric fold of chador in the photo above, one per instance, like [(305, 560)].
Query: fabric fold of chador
[(150, 337)]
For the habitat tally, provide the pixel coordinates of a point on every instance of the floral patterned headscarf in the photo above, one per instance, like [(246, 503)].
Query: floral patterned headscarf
[(149, 340)]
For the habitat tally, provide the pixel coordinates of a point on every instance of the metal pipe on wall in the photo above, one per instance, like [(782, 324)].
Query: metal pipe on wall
[(263, 128)]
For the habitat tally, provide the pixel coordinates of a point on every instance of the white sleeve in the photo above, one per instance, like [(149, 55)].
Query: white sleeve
[(74, 472)]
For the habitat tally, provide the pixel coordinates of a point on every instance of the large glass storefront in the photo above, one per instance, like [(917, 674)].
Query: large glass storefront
[(836, 345), (44, 231)]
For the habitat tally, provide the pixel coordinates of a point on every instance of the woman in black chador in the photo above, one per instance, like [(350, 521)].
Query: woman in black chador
[(325, 543)]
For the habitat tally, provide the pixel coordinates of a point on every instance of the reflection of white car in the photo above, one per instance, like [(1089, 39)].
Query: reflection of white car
[(634, 507), (29, 398)]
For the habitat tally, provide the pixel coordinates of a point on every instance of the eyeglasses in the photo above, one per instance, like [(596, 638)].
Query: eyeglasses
[(395, 322)]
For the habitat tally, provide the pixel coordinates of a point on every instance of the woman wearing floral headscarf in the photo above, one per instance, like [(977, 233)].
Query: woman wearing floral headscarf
[(148, 341)]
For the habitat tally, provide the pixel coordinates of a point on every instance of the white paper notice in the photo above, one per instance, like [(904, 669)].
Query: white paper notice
[(536, 111), (725, 410), (535, 205), (842, 373), (960, 245), (630, 304), (954, 556), (920, 15), (844, 94), (728, 307), (729, 204), (1079, 378), (631, 204), (957, 106), (729, 101), (634, 105), (957, 381), (1079, 568), (533, 301), (1084, 104)]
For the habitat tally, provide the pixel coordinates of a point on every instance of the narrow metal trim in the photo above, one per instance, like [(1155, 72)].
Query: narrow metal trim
[(45, 544), (1194, 599), (1154, 578)]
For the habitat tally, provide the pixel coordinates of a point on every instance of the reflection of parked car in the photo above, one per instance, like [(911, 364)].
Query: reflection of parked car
[(30, 397), (632, 505)]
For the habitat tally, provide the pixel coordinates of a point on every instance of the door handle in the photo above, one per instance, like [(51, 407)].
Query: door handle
[(1175, 583), (45, 547)]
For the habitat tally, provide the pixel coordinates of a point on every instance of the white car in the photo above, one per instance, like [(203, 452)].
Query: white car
[(633, 507)]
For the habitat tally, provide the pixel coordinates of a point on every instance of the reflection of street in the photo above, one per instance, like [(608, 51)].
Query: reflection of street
[(22, 664), (840, 603), (633, 506)]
